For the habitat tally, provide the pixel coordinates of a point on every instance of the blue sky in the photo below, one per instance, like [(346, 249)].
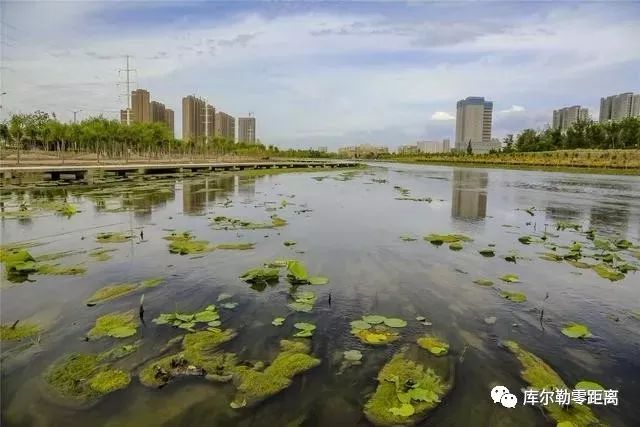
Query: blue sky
[(324, 73)]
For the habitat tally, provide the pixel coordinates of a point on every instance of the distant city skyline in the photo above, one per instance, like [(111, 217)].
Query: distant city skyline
[(322, 73)]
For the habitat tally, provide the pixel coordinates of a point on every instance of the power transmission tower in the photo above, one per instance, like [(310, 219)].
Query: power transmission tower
[(128, 83)]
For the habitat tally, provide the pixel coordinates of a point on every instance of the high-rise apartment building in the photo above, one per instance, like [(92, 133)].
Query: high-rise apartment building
[(157, 111), (619, 107), (140, 106), (247, 130), (225, 126), (473, 124), (198, 119), (169, 120), (565, 117)]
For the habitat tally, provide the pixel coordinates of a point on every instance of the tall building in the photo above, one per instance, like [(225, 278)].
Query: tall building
[(225, 126), (123, 116), (169, 120), (565, 117), (619, 107), (157, 111), (247, 130), (473, 124), (197, 121), (446, 145), (140, 106)]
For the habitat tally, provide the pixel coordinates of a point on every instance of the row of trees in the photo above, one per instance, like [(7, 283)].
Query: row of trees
[(583, 134), (112, 139)]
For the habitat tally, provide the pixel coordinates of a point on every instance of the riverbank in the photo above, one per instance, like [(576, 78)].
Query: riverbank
[(617, 162)]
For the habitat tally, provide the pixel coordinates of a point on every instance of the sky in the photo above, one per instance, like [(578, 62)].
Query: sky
[(323, 73)]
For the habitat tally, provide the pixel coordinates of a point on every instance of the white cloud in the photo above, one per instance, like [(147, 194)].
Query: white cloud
[(442, 115), (513, 109)]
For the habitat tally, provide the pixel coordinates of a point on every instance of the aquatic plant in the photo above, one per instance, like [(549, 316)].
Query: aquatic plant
[(108, 293), (376, 335), (261, 274), (302, 301), (108, 381), (588, 385), (576, 330), (254, 386), (188, 321), (395, 322), (455, 246), (488, 252), (305, 329), (513, 296), (407, 238), (57, 270), (242, 246), (116, 325), (373, 319), (18, 331), (406, 392), (289, 242), (439, 239), (352, 355), (189, 246), (525, 240), (563, 225), (278, 321), (434, 345), (230, 223), (101, 254), (510, 278), (67, 209), (113, 237), (607, 272), (541, 376), (483, 282)]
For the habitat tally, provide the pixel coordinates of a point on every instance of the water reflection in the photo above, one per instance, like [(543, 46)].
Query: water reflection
[(469, 198), (197, 194)]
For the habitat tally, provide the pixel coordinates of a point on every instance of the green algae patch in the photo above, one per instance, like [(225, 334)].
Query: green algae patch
[(230, 223), (82, 377), (116, 325), (376, 335), (108, 381), (151, 283), (58, 270), (18, 331), (483, 282), (185, 244), (513, 296), (67, 209), (510, 278), (434, 345), (455, 246), (406, 392), (113, 237), (576, 330), (241, 246), (439, 239), (101, 254), (110, 292), (541, 376), (198, 346), (255, 385)]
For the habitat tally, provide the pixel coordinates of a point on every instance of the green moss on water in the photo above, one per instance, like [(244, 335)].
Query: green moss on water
[(113, 237), (101, 254), (238, 246), (117, 325), (111, 292), (109, 380), (58, 270), (254, 385), (184, 243), (434, 345), (199, 346), (16, 259), (404, 382), (67, 209), (18, 331), (70, 377), (541, 376)]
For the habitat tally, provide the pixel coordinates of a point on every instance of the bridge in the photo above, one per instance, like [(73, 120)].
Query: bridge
[(81, 172)]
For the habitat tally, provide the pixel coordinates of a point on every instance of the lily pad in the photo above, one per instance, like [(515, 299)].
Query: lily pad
[(576, 330), (352, 355), (525, 240), (513, 296), (510, 278), (261, 275), (289, 242), (278, 321), (229, 305), (376, 335), (117, 325), (483, 282), (395, 323), (360, 324), (297, 271), (438, 239), (318, 280), (588, 385), (373, 319), (434, 345), (455, 246)]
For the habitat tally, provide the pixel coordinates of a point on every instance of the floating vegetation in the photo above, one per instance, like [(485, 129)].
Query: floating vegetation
[(510, 278), (67, 209), (230, 223), (289, 242), (83, 377), (318, 280), (525, 240), (184, 243), (623, 244), (297, 274), (111, 292), (198, 358), (483, 282), (57, 270), (242, 246), (305, 329), (576, 330), (434, 345), (562, 225), (303, 301), (223, 296), (352, 355), (278, 321), (416, 199), (261, 274), (116, 325), (18, 330), (188, 321), (406, 392), (373, 329), (607, 272), (513, 296), (407, 238), (255, 385), (229, 305), (541, 376), (423, 320), (113, 237), (19, 264), (588, 385), (455, 246), (439, 239), (488, 252), (101, 254), (395, 323)]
